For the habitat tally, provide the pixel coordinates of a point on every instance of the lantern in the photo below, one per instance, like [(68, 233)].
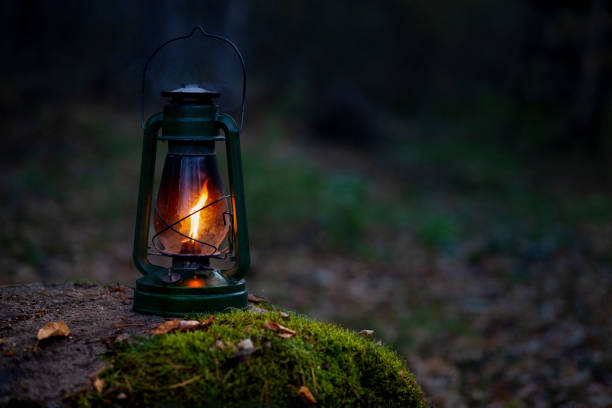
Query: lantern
[(194, 218)]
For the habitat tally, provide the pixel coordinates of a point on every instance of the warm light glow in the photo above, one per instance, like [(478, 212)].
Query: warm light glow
[(194, 283), (195, 218), (184, 226)]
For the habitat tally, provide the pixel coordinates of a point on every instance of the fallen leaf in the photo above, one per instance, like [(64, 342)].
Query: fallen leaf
[(270, 326), (167, 327), (98, 384), (10, 353), (182, 325), (53, 329), (285, 329), (254, 299), (208, 321), (306, 395), (284, 315), (186, 325), (121, 396), (367, 333), (280, 330)]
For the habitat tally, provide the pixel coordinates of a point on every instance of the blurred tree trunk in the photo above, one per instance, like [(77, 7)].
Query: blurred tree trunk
[(586, 120)]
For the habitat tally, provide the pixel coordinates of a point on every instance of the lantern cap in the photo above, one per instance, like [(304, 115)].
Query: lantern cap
[(191, 94)]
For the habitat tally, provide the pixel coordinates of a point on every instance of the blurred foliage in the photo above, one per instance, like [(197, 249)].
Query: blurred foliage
[(533, 73)]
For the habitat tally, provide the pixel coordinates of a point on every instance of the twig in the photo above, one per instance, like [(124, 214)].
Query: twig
[(262, 395), (186, 382), (227, 375), (127, 383)]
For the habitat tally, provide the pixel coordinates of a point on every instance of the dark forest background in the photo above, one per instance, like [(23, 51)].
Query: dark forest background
[(437, 171), (538, 71)]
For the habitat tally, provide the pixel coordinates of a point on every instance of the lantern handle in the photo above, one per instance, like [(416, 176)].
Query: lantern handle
[(184, 37)]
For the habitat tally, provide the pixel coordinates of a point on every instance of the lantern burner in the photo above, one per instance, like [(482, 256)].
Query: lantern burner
[(191, 94)]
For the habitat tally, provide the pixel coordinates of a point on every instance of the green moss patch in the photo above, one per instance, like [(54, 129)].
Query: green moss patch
[(208, 368)]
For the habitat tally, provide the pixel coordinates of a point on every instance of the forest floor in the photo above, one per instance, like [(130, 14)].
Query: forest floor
[(487, 268), (45, 371)]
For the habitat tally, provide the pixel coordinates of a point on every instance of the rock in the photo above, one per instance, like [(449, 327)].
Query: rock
[(243, 357)]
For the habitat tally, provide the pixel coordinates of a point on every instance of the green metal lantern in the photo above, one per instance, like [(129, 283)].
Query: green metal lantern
[(194, 220)]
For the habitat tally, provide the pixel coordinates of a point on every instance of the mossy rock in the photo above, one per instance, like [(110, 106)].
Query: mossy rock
[(207, 368)]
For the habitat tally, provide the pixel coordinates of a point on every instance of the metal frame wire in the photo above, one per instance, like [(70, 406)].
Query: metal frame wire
[(184, 37), (218, 253)]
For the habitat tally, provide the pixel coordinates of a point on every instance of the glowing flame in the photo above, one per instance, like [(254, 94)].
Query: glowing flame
[(194, 282), (195, 218)]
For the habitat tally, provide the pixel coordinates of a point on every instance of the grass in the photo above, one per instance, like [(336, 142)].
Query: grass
[(339, 367)]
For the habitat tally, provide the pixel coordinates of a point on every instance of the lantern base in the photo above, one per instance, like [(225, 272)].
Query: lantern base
[(153, 296)]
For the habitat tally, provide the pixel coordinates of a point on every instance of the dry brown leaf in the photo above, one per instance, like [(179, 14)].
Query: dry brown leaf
[(284, 315), (254, 299), (270, 326), (182, 325), (167, 327), (208, 321), (53, 329), (280, 330), (98, 384), (306, 395), (367, 333), (285, 329), (187, 325), (10, 353)]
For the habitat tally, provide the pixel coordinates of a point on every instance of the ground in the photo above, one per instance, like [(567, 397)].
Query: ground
[(237, 358), (45, 372)]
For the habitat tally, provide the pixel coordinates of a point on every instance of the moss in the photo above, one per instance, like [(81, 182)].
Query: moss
[(339, 367), (84, 282)]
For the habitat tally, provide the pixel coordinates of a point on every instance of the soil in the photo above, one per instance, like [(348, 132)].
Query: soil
[(45, 371)]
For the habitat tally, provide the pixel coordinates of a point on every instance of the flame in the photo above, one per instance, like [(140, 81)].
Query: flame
[(195, 218)]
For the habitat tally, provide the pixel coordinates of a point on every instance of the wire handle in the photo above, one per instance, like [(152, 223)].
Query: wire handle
[(184, 37)]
